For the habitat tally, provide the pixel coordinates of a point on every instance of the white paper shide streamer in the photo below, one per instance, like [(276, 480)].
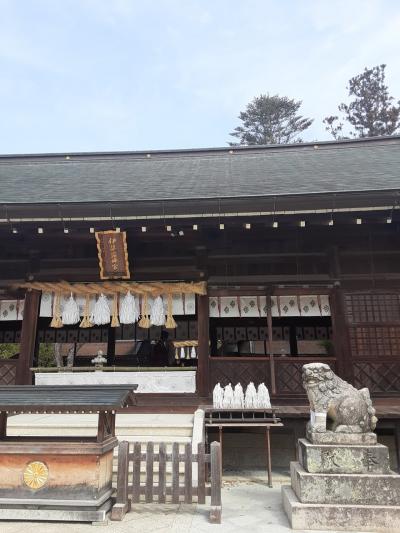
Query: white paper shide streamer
[(250, 398), (238, 397), (193, 354), (228, 402), (128, 309), (263, 399), (101, 313), (70, 314), (218, 396), (229, 398), (157, 316)]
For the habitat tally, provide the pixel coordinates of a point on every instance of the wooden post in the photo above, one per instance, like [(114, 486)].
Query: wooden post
[(175, 472), (149, 472), (203, 363), (269, 468), (28, 337), (397, 443), (111, 346), (137, 452), (122, 504), (270, 350), (216, 506), (188, 473), (3, 425), (162, 458), (201, 475), (340, 335)]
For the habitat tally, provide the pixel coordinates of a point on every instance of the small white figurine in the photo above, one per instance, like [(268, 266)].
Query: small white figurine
[(218, 396), (238, 397), (250, 399), (228, 397), (263, 399)]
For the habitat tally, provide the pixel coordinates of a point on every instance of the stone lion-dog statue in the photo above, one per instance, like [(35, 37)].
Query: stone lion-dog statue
[(335, 404)]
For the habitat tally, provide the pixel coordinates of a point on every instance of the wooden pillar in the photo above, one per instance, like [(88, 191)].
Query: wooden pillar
[(203, 362), (111, 347), (28, 337), (340, 335), (269, 344)]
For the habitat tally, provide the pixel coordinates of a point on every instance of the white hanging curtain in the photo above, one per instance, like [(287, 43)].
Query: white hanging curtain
[(214, 307), (288, 306), (249, 306), (229, 306), (309, 306), (325, 305)]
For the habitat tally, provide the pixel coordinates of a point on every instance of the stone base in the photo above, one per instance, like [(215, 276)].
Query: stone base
[(343, 459), (357, 489), (43, 514), (366, 518), (330, 437)]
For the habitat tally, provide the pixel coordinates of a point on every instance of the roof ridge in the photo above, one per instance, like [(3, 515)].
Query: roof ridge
[(383, 140)]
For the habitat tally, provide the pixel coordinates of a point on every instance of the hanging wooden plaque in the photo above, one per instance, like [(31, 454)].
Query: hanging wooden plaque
[(113, 254)]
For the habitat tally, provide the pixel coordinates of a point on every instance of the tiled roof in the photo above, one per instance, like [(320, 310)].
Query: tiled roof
[(360, 165)]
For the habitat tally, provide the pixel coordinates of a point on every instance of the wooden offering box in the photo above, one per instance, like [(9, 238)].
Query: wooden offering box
[(61, 477)]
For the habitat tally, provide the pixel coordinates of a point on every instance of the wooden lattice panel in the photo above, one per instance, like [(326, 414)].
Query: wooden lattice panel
[(225, 371), (8, 370), (374, 341), (377, 377), (288, 374), (371, 307), (289, 377), (74, 334)]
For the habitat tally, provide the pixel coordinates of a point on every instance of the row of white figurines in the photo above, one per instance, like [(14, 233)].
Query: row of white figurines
[(234, 398)]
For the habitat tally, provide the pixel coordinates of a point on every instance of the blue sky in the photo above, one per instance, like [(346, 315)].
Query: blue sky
[(83, 75)]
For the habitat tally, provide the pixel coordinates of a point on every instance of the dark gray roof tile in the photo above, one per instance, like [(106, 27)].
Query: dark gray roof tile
[(266, 171)]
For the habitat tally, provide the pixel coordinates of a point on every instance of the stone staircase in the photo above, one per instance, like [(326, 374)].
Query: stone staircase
[(143, 428)]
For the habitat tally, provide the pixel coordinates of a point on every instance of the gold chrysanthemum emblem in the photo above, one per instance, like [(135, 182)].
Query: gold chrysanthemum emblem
[(36, 475)]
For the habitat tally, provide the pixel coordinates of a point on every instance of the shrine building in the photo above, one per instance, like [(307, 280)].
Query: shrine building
[(262, 258)]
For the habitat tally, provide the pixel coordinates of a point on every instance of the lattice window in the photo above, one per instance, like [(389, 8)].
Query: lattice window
[(372, 307), (375, 341), (289, 377), (378, 377), (7, 373), (243, 372)]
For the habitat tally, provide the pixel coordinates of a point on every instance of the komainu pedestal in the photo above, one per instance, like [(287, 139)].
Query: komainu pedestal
[(342, 480)]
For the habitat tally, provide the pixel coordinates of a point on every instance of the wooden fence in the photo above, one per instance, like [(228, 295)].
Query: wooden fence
[(167, 491)]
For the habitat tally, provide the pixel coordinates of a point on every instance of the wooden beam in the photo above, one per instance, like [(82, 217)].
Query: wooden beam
[(203, 365), (28, 337)]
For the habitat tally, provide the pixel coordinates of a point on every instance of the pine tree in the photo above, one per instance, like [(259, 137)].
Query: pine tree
[(270, 120), (372, 112)]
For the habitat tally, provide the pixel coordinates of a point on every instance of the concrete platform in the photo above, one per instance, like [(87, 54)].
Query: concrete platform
[(96, 516), (361, 518), (246, 508), (343, 459), (355, 489)]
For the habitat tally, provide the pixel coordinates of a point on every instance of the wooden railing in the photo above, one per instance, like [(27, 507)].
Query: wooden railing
[(150, 491)]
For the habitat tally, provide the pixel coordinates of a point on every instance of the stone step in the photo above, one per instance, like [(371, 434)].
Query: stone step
[(139, 425), (339, 517), (343, 459), (357, 489), (157, 439)]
